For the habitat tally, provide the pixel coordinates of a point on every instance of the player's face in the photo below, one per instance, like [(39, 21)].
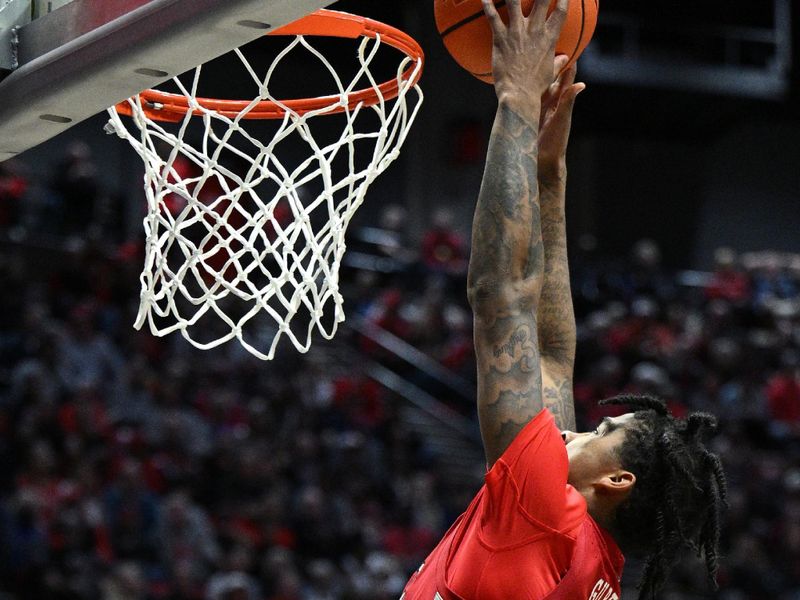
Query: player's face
[(593, 454)]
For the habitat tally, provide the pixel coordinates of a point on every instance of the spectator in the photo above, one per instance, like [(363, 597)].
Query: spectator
[(728, 282), (87, 358), (132, 514), (125, 583), (13, 186), (185, 536), (443, 249), (783, 391), (232, 586)]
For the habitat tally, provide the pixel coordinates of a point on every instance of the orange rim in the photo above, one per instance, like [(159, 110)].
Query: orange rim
[(174, 107)]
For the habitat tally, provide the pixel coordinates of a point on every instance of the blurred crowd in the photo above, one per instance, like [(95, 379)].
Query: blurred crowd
[(139, 468)]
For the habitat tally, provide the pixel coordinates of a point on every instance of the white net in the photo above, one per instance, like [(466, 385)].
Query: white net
[(245, 232)]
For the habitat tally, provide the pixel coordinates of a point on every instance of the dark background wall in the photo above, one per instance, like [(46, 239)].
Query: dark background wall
[(692, 170)]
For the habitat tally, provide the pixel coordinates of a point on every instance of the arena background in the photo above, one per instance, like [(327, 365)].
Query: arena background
[(139, 468)]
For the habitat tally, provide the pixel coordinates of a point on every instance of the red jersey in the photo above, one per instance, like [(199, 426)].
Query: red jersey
[(526, 534)]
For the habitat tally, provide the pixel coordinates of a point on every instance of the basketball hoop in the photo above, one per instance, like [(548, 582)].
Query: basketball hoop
[(242, 252)]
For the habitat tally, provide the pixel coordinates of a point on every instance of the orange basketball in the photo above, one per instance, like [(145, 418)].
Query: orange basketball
[(468, 36)]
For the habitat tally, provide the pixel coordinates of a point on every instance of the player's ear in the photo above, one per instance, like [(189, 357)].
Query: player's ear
[(616, 483)]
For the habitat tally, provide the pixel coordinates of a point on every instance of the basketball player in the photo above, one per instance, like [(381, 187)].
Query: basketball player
[(558, 509)]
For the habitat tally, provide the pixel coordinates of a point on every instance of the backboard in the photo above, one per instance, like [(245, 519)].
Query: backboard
[(87, 55)]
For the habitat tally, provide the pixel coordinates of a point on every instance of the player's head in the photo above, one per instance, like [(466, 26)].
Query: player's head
[(595, 468), (662, 489)]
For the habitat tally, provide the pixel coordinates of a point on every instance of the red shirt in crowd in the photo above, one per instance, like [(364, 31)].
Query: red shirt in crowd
[(783, 398), (729, 285), (526, 534)]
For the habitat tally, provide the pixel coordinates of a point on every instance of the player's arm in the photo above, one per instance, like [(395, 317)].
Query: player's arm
[(555, 315), (506, 270)]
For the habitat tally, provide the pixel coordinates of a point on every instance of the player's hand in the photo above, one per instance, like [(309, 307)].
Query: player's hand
[(556, 122), (522, 60)]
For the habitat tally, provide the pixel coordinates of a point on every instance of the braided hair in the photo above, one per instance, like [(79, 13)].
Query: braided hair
[(679, 494)]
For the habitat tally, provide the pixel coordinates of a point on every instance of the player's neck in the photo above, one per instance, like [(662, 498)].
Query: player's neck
[(601, 509), (603, 513)]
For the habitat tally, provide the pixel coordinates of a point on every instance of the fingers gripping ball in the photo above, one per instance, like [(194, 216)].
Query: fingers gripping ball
[(468, 36)]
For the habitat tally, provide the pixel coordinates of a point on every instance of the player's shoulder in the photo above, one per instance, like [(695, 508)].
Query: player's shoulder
[(539, 438)]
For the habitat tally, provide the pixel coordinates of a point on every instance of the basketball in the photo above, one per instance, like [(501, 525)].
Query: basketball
[(467, 34)]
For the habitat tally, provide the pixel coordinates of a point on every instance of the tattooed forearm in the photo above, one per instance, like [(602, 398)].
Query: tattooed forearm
[(517, 338), (505, 278), (506, 230), (558, 398), (555, 315), (509, 380)]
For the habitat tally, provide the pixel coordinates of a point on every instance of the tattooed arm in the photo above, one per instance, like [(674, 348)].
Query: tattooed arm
[(505, 280), (555, 315), (506, 269)]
